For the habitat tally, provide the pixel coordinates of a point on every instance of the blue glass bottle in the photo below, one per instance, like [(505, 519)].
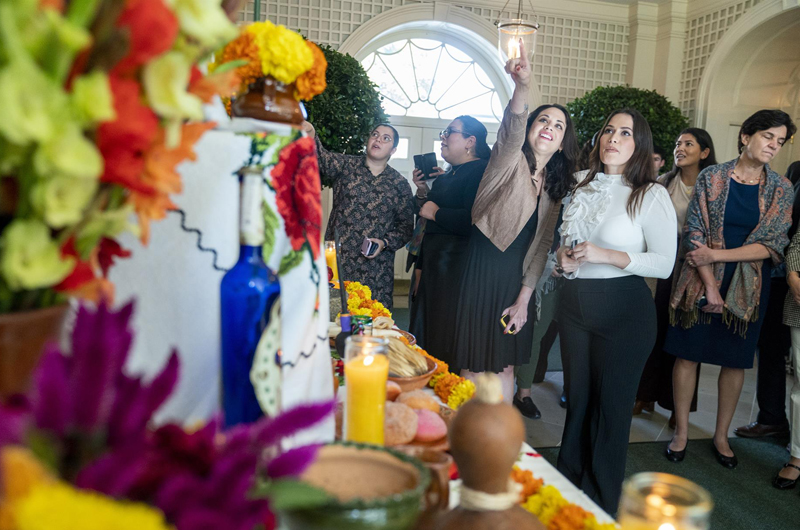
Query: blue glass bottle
[(248, 292)]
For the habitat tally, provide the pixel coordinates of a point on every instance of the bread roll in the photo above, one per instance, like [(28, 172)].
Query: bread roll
[(418, 399), (399, 425)]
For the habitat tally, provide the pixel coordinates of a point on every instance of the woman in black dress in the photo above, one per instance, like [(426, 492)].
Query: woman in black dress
[(446, 209), (528, 174), (735, 231)]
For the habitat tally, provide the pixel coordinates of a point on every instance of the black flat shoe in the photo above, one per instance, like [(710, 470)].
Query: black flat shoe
[(527, 407), (676, 456), (785, 483), (726, 461)]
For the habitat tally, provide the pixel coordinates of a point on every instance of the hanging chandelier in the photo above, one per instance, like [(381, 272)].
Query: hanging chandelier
[(511, 30)]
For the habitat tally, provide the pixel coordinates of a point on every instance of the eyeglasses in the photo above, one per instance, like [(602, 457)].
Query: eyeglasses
[(383, 138), (447, 132)]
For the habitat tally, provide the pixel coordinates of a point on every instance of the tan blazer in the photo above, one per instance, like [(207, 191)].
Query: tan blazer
[(507, 198)]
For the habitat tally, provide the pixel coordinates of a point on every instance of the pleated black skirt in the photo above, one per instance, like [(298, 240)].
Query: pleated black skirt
[(491, 282)]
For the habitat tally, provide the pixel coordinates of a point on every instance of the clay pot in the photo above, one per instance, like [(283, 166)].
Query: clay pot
[(268, 99), (22, 337), (372, 488), (407, 384)]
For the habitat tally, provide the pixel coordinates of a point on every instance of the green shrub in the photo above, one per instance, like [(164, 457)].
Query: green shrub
[(345, 113), (590, 111)]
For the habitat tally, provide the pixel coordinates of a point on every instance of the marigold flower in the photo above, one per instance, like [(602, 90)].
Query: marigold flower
[(530, 484), (283, 53), (461, 393), (545, 504), (313, 82), (570, 517)]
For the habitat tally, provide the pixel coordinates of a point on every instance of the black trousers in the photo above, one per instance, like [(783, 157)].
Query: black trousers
[(607, 329), (774, 344)]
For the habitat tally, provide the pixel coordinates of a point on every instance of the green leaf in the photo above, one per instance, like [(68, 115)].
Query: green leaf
[(288, 494), (230, 65), (290, 261), (271, 227)]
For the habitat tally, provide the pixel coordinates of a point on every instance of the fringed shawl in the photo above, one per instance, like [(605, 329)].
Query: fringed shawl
[(704, 223)]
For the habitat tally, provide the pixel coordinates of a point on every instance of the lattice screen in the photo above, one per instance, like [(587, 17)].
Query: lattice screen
[(573, 56), (323, 21), (702, 35)]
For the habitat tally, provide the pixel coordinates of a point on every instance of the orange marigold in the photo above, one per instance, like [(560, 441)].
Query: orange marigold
[(570, 517), (441, 366), (313, 81), (445, 385), (243, 47), (530, 484)]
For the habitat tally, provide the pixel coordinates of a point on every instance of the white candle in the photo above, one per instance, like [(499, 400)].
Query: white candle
[(513, 48)]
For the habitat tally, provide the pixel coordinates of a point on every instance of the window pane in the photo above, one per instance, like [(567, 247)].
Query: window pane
[(427, 79), (402, 149)]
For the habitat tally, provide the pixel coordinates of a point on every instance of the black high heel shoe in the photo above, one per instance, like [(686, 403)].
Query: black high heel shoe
[(726, 461), (676, 456), (783, 483)]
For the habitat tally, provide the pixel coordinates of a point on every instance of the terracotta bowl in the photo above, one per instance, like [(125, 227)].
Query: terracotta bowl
[(371, 488), (418, 381)]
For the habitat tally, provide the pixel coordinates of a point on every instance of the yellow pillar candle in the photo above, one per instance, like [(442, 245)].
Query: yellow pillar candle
[(330, 259), (366, 369)]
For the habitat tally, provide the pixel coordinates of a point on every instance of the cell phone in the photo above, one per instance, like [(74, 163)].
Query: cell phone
[(504, 323), (426, 163), (368, 248), (702, 302)]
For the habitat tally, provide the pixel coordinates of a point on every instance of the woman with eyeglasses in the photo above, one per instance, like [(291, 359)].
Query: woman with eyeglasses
[(514, 217), (445, 211)]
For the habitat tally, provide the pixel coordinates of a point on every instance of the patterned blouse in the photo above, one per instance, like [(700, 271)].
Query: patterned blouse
[(791, 311), (365, 205)]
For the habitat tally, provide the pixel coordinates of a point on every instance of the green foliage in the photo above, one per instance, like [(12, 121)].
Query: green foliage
[(665, 119), (350, 107)]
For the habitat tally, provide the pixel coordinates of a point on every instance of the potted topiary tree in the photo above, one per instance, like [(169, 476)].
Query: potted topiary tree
[(346, 112), (665, 119)]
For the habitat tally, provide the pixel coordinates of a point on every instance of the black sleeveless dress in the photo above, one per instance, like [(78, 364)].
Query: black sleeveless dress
[(491, 282)]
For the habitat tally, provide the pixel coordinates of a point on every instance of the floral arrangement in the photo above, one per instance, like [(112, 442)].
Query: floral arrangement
[(551, 508), (452, 389), (102, 100), (79, 452), (272, 50), (360, 302)]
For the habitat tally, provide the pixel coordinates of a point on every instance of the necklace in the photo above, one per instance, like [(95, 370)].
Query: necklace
[(743, 180)]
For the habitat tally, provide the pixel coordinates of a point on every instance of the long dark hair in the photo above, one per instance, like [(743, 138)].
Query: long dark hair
[(705, 142), (561, 166), (639, 172), (473, 127)]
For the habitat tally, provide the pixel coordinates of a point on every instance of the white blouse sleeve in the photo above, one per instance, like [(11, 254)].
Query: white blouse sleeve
[(659, 226)]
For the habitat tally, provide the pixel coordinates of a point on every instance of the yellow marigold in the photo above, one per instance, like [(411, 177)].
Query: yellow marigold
[(591, 524), (545, 504), (358, 290), (59, 506), (20, 472), (313, 81), (283, 53), (461, 393), (530, 484), (570, 517)]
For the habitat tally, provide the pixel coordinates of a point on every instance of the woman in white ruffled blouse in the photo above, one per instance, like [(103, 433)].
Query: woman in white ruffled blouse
[(618, 229)]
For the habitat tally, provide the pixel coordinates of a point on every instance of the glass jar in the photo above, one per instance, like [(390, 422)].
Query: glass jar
[(659, 501), (366, 369)]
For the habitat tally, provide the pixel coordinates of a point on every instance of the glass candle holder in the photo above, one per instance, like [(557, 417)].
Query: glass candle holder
[(330, 260), (366, 369), (510, 32), (659, 501)]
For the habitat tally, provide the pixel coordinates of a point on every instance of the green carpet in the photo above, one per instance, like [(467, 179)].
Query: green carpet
[(744, 498)]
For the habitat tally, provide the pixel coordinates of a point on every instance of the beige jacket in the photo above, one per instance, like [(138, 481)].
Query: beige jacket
[(507, 198)]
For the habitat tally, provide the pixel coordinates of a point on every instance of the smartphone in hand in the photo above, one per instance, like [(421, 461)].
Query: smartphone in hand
[(368, 248), (426, 163)]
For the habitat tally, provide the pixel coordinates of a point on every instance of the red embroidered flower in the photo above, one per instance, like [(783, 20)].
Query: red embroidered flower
[(124, 141), (298, 193), (151, 28)]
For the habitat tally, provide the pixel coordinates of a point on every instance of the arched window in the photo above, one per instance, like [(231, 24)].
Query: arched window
[(425, 78)]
